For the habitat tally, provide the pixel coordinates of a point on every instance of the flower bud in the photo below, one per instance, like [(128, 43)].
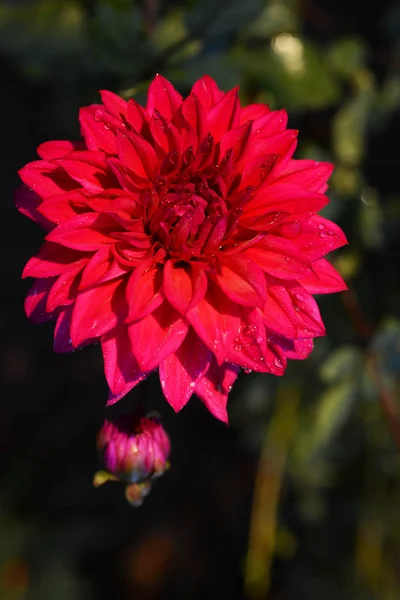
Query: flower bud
[(134, 449)]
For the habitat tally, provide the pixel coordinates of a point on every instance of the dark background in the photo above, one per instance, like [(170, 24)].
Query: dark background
[(299, 499)]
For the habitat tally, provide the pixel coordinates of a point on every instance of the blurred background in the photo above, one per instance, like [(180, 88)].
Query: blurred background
[(299, 499)]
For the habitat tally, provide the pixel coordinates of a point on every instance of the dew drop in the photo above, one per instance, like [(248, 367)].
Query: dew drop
[(259, 339), (278, 363), (247, 371), (323, 234), (320, 226)]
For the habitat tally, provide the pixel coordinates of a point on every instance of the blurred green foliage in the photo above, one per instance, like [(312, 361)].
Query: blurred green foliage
[(338, 520)]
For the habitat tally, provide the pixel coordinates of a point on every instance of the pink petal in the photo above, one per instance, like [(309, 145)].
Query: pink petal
[(102, 267), (214, 387), (64, 289), (62, 334), (120, 366), (97, 136), (79, 233), (184, 286), (144, 291), (216, 320), (207, 91), (325, 279), (46, 179), (278, 198), (224, 115), (253, 112), (27, 202), (35, 301), (114, 104), (58, 148), (308, 174), (242, 281), (62, 207), (163, 97), (51, 260), (157, 336), (97, 311), (180, 372)]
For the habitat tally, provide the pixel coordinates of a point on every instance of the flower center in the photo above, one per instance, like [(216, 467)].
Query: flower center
[(182, 212)]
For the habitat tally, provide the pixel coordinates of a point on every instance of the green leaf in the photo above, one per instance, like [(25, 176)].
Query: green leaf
[(346, 55), (342, 364), (293, 70)]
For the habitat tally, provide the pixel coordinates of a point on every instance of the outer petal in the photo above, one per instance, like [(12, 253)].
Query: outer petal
[(46, 179), (325, 279), (97, 311), (216, 320), (35, 301), (214, 387), (51, 260), (207, 91), (120, 366), (243, 281), (180, 372), (62, 333), (64, 289), (27, 203), (58, 149), (163, 97)]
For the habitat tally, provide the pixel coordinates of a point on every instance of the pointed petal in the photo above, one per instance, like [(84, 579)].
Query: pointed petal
[(243, 281), (114, 104), (62, 334), (120, 366), (181, 371), (35, 301), (216, 320), (97, 311), (144, 291), (28, 202), (97, 137), (58, 149), (64, 289), (214, 387), (207, 91), (157, 336), (224, 115), (163, 97), (46, 179), (184, 286), (325, 279)]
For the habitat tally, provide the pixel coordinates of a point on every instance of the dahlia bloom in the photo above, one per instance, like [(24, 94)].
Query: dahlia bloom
[(134, 450), (183, 237)]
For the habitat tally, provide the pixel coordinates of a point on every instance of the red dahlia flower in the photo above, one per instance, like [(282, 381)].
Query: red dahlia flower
[(183, 237)]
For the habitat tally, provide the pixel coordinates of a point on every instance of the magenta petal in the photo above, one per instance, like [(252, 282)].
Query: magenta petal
[(217, 322), (144, 292), (163, 97), (114, 104), (181, 371), (97, 311), (64, 289), (35, 301), (325, 279), (243, 281), (207, 91), (58, 149), (214, 387), (51, 260), (62, 333), (156, 336), (184, 286), (120, 365), (27, 202)]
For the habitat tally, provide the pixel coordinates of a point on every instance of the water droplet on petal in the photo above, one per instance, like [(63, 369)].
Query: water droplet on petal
[(278, 363)]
